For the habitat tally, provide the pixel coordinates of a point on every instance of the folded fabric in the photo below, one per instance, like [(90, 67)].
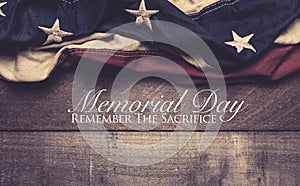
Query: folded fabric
[(277, 63), (291, 35), (254, 27), (36, 64), (238, 31), (192, 6)]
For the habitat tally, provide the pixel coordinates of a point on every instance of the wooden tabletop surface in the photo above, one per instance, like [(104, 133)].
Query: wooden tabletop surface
[(40, 145)]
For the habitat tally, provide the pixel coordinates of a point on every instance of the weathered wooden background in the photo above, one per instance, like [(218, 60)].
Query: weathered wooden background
[(40, 146)]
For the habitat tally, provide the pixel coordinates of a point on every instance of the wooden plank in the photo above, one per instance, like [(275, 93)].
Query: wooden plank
[(43, 106), (234, 158)]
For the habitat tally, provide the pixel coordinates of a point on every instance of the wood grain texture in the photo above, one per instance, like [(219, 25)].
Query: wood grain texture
[(43, 106), (234, 158)]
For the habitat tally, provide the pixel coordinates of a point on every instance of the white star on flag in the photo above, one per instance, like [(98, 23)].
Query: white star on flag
[(55, 34), (143, 15), (1, 12), (241, 42)]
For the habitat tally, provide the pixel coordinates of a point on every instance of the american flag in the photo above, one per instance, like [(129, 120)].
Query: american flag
[(253, 40)]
